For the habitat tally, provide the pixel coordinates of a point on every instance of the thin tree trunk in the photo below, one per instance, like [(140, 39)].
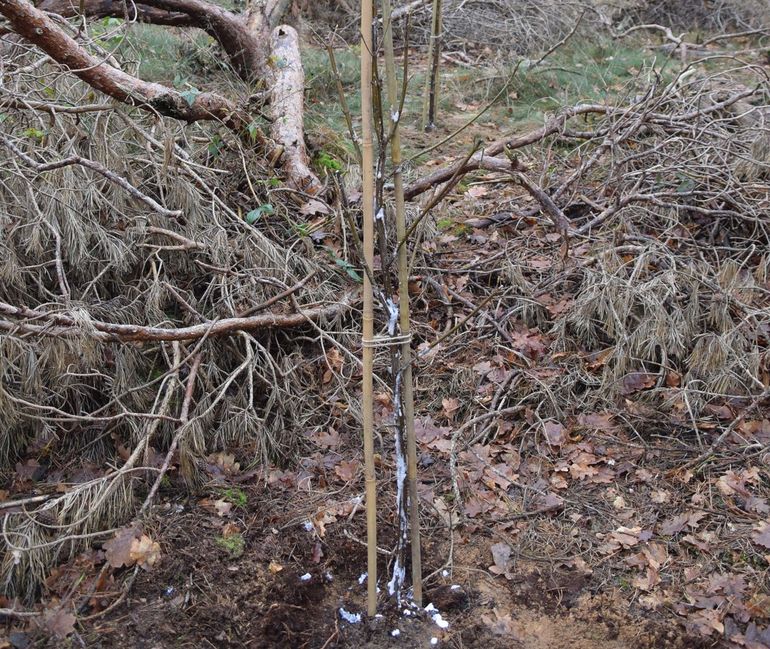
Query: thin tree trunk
[(367, 390), (430, 98), (406, 399)]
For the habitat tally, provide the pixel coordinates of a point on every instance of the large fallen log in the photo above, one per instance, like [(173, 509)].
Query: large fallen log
[(287, 90)]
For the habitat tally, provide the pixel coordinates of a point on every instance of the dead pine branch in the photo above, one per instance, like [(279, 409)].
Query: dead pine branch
[(46, 323), (184, 418), (463, 165), (121, 182)]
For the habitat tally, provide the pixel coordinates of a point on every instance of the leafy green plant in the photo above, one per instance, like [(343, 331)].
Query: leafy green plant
[(34, 133), (328, 162), (302, 229), (345, 265), (233, 544), (107, 25), (253, 129), (190, 94), (215, 146), (254, 215), (237, 497)]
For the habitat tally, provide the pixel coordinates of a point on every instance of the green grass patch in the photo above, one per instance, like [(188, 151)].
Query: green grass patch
[(234, 544), (236, 496), (161, 54)]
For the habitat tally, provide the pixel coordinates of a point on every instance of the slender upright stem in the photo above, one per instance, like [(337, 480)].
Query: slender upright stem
[(407, 400), (430, 96), (367, 396)]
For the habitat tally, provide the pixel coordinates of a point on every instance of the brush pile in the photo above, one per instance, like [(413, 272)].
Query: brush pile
[(152, 311), (656, 295)]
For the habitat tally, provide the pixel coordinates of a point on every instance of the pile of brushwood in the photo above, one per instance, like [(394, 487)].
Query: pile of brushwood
[(156, 302)]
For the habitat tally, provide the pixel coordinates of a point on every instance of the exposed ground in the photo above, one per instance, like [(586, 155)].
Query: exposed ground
[(582, 513)]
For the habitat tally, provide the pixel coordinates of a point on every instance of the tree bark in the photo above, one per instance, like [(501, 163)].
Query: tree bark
[(265, 15), (116, 9), (246, 48), (287, 90)]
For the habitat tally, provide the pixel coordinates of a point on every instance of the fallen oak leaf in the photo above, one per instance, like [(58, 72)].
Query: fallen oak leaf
[(646, 581), (732, 483), (223, 508), (313, 207), (761, 535), (118, 548), (555, 433), (630, 536), (501, 554), (757, 505), (145, 552), (59, 622), (450, 406), (229, 530), (660, 496), (346, 470), (672, 526), (636, 381), (705, 622), (582, 466), (274, 567), (327, 439)]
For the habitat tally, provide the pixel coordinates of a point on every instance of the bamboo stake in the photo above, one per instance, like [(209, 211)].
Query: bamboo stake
[(430, 96), (367, 396), (403, 298)]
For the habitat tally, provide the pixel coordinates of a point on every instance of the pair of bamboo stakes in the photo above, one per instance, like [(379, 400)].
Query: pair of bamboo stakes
[(405, 400)]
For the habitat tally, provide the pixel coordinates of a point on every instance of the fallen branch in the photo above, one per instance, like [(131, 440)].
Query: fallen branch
[(287, 90), (40, 30), (243, 46), (557, 216), (13, 613), (116, 9), (405, 10), (462, 166), (246, 46), (93, 166), (67, 326), (184, 419), (29, 104)]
